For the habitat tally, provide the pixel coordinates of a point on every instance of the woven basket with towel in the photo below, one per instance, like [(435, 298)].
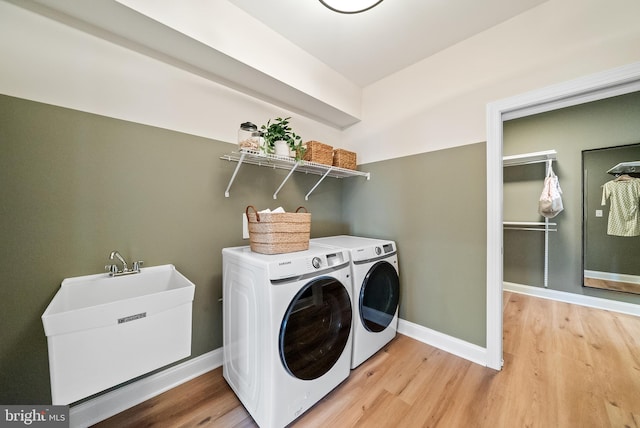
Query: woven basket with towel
[(278, 232)]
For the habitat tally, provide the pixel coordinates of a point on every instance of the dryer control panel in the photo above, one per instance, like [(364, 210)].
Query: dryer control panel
[(373, 251)]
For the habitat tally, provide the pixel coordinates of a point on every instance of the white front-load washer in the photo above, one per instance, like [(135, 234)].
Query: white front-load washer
[(376, 292), (287, 329)]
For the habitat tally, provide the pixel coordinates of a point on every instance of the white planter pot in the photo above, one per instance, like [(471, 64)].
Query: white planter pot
[(281, 148)]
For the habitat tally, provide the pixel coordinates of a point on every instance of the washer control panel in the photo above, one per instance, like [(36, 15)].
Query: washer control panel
[(302, 263)]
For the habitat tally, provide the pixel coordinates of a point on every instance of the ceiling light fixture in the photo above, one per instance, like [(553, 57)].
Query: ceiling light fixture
[(350, 6)]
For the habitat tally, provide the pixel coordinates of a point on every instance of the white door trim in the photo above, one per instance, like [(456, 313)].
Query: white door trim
[(594, 87)]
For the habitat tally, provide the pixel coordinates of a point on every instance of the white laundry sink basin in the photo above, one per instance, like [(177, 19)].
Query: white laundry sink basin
[(97, 300), (102, 330)]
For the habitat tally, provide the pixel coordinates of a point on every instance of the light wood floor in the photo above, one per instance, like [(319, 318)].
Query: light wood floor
[(565, 366)]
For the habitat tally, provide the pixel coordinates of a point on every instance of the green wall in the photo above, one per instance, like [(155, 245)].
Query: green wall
[(75, 186), (434, 206), (610, 122)]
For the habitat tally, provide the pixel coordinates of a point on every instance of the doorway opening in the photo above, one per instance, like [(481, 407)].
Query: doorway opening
[(595, 87)]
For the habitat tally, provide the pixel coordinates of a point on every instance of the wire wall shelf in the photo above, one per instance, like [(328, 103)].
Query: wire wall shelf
[(284, 162)]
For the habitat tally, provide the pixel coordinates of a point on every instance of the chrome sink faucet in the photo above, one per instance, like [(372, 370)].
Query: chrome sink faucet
[(113, 268), (116, 254)]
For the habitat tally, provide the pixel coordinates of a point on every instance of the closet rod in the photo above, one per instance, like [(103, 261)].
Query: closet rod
[(535, 226), (527, 158), (530, 228), (527, 223)]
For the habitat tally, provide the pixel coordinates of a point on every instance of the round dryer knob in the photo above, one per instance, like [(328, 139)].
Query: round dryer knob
[(378, 250), (316, 262)]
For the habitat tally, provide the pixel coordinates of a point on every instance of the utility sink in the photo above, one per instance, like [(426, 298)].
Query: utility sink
[(102, 330)]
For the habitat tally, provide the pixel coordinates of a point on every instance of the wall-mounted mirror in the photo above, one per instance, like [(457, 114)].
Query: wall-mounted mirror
[(611, 218)]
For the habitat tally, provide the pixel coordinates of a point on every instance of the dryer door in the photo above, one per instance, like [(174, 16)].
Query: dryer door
[(379, 297), (315, 329)]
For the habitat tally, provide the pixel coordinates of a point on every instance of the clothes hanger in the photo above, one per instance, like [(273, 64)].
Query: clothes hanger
[(623, 177)]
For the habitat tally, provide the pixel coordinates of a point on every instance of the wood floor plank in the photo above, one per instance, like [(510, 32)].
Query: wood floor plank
[(434, 391), (579, 402), (514, 316), (630, 334), (505, 299), (610, 351), (568, 332), (564, 366), (620, 418), (385, 411), (474, 401)]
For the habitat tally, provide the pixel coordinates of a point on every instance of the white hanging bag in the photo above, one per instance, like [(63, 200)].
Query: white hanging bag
[(550, 203)]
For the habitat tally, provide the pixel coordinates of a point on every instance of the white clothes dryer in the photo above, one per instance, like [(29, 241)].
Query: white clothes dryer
[(287, 329), (376, 292)]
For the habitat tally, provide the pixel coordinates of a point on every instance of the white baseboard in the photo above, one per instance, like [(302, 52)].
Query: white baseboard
[(450, 344), (576, 299), (111, 403)]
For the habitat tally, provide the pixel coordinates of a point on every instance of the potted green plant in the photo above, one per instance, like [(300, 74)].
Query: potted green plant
[(278, 131)]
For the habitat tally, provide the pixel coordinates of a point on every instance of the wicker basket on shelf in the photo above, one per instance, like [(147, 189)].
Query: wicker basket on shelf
[(277, 233), (344, 159), (318, 152)]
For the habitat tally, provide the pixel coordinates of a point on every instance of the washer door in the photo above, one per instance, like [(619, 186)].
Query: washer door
[(379, 297), (315, 329)]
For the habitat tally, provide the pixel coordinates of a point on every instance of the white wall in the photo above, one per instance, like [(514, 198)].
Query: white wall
[(246, 39), (437, 103), (440, 102), (46, 61)]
